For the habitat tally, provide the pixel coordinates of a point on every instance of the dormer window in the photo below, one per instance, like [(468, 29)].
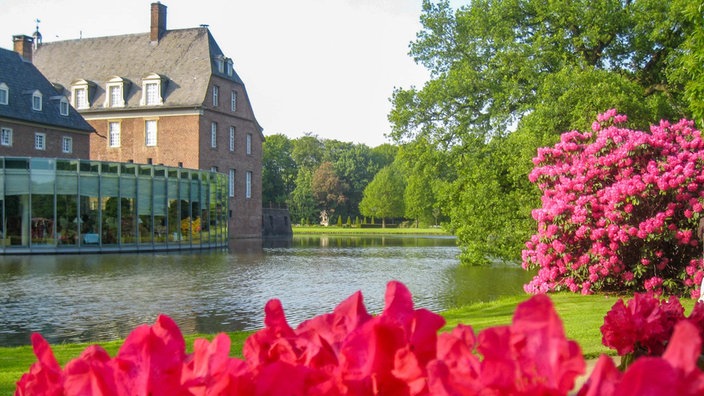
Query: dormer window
[(37, 101), (63, 106), (228, 67), (80, 92), (152, 88), (4, 94), (115, 92), (220, 62)]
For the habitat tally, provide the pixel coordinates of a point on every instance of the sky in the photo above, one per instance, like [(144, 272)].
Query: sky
[(325, 67)]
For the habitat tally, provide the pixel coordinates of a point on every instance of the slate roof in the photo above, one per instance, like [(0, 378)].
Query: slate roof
[(22, 79), (185, 57)]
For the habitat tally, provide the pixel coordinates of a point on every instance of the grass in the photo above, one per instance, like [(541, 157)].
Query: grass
[(320, 230), (582, 316)]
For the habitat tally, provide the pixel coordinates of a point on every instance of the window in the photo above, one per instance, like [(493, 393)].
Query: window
[(115, 96), (63, 107), (114, 134), (152, 90), (214, 135), (231, 183), (67, 144), (80, 97), (220, 61), (229, 67), (216, 92), (249, 144), (150, 132), (4, 94), (232, 138), (214, 169), (233, 101), (6, 137), (37, 101), (248, 186), (39, 141)]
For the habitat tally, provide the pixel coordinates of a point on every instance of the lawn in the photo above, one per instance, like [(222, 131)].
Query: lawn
[(320, 230), (581, 315)]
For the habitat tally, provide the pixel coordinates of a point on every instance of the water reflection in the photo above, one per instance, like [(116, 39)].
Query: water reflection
[(100, 297)]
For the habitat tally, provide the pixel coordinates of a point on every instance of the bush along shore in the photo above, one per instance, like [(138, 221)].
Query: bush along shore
[(401, 351)]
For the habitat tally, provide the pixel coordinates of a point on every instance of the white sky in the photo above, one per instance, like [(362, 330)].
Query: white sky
[(327, 67)]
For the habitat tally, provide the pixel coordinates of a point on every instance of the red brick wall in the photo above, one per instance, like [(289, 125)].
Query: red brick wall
[(23, 142), (177, 141)]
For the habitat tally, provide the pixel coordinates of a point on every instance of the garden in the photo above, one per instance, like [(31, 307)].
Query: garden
[(620, 217)]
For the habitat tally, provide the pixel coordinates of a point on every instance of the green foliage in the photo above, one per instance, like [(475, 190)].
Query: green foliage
[(279, 170), (508, 77), (383, 197)]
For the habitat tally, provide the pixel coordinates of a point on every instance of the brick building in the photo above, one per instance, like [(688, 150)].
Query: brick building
[(165, 97), (35, 119)]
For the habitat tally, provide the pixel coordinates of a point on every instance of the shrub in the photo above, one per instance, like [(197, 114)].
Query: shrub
[(621, 210)]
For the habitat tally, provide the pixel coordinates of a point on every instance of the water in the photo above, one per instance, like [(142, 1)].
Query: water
[(80, 298)]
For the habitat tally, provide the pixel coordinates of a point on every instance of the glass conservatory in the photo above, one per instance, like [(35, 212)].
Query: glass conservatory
[(53, 205)]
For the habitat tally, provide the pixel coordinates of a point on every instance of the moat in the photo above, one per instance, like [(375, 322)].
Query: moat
[(77, 298)]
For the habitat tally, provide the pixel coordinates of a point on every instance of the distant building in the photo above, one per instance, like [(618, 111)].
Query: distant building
[(166, 97), (35, 119)]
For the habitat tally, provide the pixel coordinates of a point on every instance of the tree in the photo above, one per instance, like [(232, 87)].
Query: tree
[(301, 203), (307, 151), (383, 197), (622, 210), (327, 188), (279, 170), (508, 77)]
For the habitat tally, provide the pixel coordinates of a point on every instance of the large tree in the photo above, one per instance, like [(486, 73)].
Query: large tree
[(279, 170), (327, 188), (509, 76), (383, 197)]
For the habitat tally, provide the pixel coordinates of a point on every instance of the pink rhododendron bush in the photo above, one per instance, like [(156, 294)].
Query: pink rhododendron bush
[(350, 352), (621, 210)]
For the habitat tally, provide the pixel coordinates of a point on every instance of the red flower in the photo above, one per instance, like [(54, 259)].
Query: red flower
[(150, 360), (45, 376), (643, 326)]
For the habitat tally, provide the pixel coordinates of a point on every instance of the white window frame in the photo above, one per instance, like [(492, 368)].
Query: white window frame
[(115, 83), (249, 144), (214, 135), (229, 67), (63, 107), (4, 94), (80, 101), (37, 101), (151, 94), (67, 144), (248, 185), (150, 133), (40, 141), (6, 137), (216, 96), (231, 183), (114, 134), (232, 138), (233, 101), (153, 97)]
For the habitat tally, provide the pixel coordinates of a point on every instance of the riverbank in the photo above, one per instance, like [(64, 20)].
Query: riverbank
[(335, 230), (582, 317)]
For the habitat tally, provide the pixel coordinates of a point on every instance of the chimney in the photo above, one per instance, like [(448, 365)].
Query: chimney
[(158, 27), (23, 46)]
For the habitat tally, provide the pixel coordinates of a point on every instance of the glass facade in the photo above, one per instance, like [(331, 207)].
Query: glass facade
[(69, 205)]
